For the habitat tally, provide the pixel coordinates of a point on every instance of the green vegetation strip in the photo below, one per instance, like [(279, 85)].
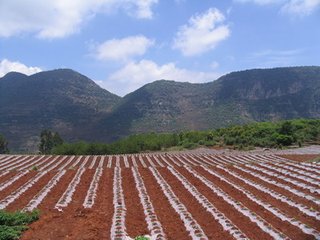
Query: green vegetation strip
[(243, 137), (12, 224)]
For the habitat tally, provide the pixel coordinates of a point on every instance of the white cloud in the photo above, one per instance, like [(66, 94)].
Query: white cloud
[(292, 7), (259, 2), (202, 33), (136, 74), (143, 7), (179, 1), (273, 58), (7, 66), (123, 49), (60, 18), (214, 65), (301, 7)]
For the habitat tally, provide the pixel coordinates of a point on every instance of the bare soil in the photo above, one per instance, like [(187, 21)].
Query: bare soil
[(79, 223), (300, 157)]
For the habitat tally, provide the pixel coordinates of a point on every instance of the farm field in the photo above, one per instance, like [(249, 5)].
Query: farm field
[(166, 196)]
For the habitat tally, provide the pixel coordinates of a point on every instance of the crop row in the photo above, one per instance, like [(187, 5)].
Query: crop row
[(246, 175)]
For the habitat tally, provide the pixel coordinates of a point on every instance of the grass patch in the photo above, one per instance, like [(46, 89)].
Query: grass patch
[(317, 159), (141, 238), (34, 168), (12, 224)]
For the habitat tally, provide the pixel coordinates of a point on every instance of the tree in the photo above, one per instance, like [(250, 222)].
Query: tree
[(49, 140), (286, 128), (3, 145)]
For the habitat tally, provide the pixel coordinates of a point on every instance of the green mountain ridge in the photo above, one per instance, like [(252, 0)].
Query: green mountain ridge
[(72, 104), (63, 100)]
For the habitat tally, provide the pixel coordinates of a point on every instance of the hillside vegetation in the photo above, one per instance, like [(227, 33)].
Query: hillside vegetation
[(264, 134)]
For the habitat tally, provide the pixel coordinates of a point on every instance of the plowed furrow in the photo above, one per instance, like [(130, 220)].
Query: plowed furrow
[(250, 228), (274, 217), (221, 227), (172, 224), (24, 199), (81, 191), (135, 219), (286, 208), (13, 187)]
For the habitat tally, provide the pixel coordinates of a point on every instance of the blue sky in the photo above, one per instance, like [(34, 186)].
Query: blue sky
[(124, 44)]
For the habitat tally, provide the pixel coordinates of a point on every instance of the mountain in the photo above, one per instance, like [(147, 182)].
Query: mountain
[(62, 100), (280, 93), (77, 108), (236, 98)]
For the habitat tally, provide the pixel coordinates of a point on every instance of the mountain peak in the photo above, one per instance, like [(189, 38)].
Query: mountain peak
[(60, 73), (13, 75)]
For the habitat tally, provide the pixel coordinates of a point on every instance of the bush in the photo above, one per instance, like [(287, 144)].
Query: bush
[(34, 168), (283, 140), (263, 134), (210, 143), (3, 145), (13, 224), (18, 218), (189, 145), (11, 232), (141, 238), (49, 140)]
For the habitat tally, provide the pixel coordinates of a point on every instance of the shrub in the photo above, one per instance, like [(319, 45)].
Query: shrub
[(3, 145), (34, 168), (13, 224), (262, 134), (141, 238), (11, 232), (283, 140), (49, 140)]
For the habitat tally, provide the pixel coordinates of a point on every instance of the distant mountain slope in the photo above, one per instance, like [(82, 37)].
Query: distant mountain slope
[(75, 106), (279, 93), (239, 97), (62, 100), (159, 106)]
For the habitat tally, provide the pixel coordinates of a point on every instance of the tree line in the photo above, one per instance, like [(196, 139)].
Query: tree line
[(243, 137)]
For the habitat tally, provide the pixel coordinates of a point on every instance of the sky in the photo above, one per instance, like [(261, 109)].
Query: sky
[(125, 44)]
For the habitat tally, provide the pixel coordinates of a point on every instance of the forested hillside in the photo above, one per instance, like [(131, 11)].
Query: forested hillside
[(73, 105)]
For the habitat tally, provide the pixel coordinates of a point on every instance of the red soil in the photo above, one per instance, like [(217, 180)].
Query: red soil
[(135, 219), (291, 211), (79, 223), (300, 157), (292, 177), (50, 201), (242, 222), (316, 195), (171, 223), (81, 191), (5, 192), (30, 193), (285, 227), (76, 222), (8, 176), (211, 228), (305, 173)]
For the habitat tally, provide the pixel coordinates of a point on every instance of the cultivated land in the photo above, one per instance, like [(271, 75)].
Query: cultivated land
[(192, 195)]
